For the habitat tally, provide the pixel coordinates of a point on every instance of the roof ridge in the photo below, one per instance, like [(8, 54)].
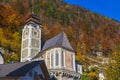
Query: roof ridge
[(60, 40), (64, 36)]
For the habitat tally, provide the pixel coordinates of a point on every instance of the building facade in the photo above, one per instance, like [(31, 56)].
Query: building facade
[(31, 38), (30, 70), (57, 52)]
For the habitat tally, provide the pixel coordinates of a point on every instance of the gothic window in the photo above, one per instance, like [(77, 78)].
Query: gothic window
[(72, 61), (35, 33), (62, 58), (51, 60), (57, 58), (26, 33)]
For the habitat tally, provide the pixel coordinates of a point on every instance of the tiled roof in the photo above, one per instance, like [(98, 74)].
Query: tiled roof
[(17, 69), (60, 40)]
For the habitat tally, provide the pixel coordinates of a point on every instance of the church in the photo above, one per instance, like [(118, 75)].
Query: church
[(57, 52)]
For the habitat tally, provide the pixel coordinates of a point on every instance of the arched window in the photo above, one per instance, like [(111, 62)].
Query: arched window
[(52, 60), (57, 58), (48, 60), (72, 60), (35, 33), (62, 58)]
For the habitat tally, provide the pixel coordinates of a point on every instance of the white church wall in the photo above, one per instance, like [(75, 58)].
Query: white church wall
[(68, 61), (51, 57), (31, 41)]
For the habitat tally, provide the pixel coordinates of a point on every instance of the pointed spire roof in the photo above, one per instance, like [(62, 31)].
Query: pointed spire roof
[(60, 40), (32, 17)]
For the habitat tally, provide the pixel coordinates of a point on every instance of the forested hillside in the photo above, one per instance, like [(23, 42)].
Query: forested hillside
[(87, 31)]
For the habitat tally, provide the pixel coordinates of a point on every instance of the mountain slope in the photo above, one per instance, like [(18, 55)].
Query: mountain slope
[(87, 31)]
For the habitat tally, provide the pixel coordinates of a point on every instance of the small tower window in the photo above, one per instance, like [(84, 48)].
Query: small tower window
[(35, 33), (26, 33), (57, 58)]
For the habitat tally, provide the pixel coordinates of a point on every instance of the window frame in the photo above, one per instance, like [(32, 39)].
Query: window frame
[(56, 58), (62, 59)]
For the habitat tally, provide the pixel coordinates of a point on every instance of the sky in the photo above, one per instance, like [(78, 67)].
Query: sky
[(109, 8)]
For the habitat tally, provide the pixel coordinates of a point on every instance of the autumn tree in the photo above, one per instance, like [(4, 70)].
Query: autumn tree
[(10, 36), (112, 69), (56, 29)]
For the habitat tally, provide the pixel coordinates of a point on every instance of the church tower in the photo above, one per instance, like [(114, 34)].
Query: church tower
[(31, 38)]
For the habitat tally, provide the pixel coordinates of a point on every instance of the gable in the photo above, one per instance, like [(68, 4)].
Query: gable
[(60, 40), (19, 69)]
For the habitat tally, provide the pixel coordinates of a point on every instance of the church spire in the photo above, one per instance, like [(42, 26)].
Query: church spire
[(33, 12), (32, 17), (31, 38)]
